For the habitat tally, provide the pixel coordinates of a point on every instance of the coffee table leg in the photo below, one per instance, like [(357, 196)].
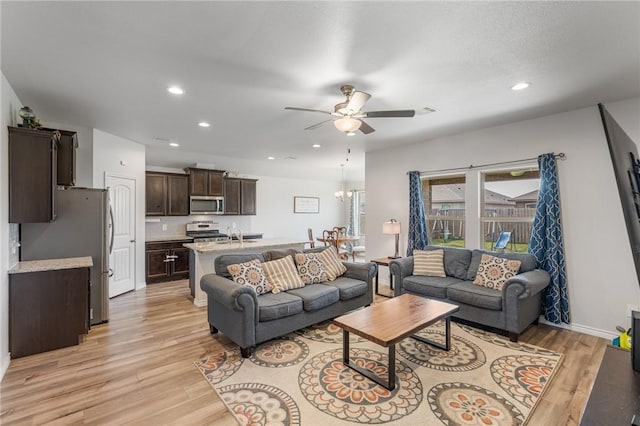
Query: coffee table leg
[(389, 384), (447, 337)]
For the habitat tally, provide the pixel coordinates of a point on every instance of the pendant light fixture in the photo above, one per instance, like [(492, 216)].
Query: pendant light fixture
[(341, 193)]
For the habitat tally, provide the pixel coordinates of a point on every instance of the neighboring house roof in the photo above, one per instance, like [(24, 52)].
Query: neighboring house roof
[(455, 194), (529, 196)]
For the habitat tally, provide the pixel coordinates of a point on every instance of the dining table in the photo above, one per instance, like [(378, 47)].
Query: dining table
[(342, 239)]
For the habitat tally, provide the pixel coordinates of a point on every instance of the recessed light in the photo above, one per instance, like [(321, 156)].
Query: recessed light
[(315, 145), (175, 90), (520, 86), (204, 124), (271, 158), (174, 144)]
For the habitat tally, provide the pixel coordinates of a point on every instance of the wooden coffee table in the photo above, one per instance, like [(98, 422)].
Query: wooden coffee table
[(386, 323)]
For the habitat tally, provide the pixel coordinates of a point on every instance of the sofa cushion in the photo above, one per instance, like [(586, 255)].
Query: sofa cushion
[(250, 273), (332, 263), (428, 263), (529, 262), (273, 306), (475, 295), (428, 286), (494, 271), (456, 261), (316, 296), (349, 287), (222, 262), (282, 274), (310, 268)]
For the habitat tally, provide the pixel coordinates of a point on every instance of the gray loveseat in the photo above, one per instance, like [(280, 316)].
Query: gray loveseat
[(248, 319), (511, 310)]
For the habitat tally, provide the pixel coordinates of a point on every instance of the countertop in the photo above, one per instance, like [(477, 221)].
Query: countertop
[(51, 264), (246, 245), (159, 238)]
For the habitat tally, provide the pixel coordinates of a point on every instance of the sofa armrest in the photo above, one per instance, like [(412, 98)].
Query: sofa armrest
[(400, 269), (226, 292), (361, 271), (527, 284)]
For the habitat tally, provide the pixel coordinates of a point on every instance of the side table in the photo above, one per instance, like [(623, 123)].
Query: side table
[(384, 261)]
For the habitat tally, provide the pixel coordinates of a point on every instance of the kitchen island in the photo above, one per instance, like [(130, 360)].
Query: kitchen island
[(202, 257)]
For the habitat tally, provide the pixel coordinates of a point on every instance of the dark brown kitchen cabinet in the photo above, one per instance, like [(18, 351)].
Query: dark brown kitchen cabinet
[(167, 261), (239, 196), (205, 182), (32, 175), (47, 310), (166, 194), (66, 161)]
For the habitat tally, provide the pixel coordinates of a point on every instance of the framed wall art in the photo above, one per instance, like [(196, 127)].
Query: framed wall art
[(306, 204)]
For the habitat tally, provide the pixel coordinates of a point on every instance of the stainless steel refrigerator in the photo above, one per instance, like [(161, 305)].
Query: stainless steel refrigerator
[(82, 228)]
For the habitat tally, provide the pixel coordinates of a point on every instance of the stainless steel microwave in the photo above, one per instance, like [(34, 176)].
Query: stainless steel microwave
[(203, 204)]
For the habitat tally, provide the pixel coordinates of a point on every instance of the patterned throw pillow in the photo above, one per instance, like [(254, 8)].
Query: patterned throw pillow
[(332, 263), (311, 269), (251, 274), (429, 263), (282, 274), (493, 271)]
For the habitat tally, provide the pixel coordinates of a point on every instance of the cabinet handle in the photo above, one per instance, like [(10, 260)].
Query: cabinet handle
[(169, 260)]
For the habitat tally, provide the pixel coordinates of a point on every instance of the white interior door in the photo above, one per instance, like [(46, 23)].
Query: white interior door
[(122, 196)]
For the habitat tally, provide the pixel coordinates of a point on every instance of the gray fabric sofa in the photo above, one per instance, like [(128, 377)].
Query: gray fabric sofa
[(248, 319), (511, 310)]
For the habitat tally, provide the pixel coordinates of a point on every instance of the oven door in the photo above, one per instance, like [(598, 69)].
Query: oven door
[(201, 204)]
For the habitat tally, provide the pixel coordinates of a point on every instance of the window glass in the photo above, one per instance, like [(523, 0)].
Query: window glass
[(508, 209), (359, 210), (444, 202)]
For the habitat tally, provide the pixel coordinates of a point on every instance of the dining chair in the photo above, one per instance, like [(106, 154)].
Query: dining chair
[(312, 243), (332, 237)]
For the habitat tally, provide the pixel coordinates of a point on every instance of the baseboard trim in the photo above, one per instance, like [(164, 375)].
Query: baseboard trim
[(584, 329)]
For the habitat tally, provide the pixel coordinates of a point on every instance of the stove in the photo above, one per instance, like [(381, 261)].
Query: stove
[(205, 232)]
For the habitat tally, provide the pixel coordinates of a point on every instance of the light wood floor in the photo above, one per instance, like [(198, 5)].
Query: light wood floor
[(138, 369)]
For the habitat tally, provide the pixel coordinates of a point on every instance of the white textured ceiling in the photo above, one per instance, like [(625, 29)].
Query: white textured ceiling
[(106, 65)]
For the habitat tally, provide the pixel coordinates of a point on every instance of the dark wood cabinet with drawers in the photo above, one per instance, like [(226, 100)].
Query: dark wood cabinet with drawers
[(166, 194), (240, 196), (205, 182), (167, 261), (47, 310)]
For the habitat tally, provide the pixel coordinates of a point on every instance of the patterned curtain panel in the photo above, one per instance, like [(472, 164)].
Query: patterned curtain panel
[(417, 238), (546, 242)]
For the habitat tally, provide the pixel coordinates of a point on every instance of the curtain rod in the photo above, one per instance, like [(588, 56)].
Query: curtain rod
[(560, 156)]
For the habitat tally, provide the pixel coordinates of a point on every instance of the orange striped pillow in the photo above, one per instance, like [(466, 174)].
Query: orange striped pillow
[(282, 274), (429, 263)]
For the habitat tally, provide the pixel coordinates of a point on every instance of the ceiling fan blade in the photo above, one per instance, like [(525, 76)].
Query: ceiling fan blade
[(397, 113), (365, 128), (315, 126), (357, 101), (309, 110)]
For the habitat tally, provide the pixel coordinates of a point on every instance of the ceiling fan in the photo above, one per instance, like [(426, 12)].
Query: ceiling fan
[(348, 115)]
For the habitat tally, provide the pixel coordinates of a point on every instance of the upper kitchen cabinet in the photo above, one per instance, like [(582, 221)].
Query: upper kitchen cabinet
[(67, 145), (205, 182), (240, 196), (32, 175), (166, 194)]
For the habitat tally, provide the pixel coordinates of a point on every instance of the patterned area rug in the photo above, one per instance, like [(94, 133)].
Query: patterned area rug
[(299, 379)]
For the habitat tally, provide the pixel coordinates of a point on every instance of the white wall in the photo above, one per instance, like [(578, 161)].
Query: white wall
[(121, 157), (8, 232), (600, 271)]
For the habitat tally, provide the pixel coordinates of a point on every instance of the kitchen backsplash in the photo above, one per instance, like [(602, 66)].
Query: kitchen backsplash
[(176, 225), (14, 244)]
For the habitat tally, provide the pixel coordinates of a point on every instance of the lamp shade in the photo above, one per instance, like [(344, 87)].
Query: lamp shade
[(347, 124), (392, 227)]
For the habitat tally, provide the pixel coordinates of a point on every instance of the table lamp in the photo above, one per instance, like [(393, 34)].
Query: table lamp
[(392, 228)]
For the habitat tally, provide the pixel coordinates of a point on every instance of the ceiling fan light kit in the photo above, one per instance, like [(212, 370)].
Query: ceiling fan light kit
[(347, 125), (349, 113)]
